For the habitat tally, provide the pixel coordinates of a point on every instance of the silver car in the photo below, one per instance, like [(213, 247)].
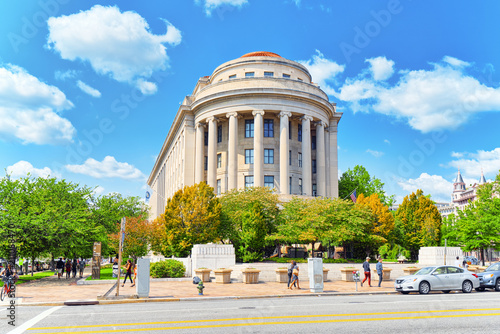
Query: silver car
[(444, 278)]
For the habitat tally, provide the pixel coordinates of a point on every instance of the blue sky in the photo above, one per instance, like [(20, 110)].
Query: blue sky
[(89, 89)]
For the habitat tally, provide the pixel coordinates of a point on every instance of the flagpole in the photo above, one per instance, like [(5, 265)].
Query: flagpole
[(351, 192)]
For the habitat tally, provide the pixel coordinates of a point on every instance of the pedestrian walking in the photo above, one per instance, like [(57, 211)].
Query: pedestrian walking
[(290, 271), (380, 271), (135, 274), (82, 267), (60, 268), (295, 277), (457, 262), (68, 268), (74, 265), (128, 269), (366, 268)]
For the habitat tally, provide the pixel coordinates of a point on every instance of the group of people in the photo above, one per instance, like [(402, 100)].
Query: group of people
[(129, 266), (368, 276), (293, 275), (462, 264), (70, 266)]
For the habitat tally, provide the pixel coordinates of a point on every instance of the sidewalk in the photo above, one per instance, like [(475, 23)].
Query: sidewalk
[(51, 291)]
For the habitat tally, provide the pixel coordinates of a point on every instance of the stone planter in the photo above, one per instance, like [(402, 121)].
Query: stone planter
[(282, 275), (410, 270), (480, 269), (223, 275), (386, 274), (346, 274), (203, 274), (325, 274), (250, 275)]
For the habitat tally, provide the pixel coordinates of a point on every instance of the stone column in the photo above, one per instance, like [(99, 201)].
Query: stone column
[(232, 156), (327, 170), (284, 148), (334, 172), (306, 156), (258, 148), (320, 159), (199, 167), (212, 152)]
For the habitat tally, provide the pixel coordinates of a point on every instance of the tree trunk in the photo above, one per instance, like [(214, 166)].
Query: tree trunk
[(32, 265), (482, 255)]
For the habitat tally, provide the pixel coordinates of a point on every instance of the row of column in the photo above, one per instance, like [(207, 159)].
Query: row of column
[(322, 156)]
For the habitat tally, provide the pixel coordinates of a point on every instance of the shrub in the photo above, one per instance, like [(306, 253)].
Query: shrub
[(167, 268)]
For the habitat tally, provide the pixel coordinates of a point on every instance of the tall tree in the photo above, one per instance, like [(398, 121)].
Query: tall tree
[(418, 223), (358, 178), (138, 235)]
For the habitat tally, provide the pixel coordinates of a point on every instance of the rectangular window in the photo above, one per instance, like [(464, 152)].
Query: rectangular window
[(219, 134), (314, 189), (300, 159), (268, 128), (249, 74), (268, 156), (249, 128), (206, 162), (290, 186), (286, 75), (269, 74), (232, 76), (269, 181), (314, 166), (290, 157), (219, 160), (289, 130), (248, 181), (249, 156), (206, 138), (218, 187), (299, 132), (300, 186), (313, 142)]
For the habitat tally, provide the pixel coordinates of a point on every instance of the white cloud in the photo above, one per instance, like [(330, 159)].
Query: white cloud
[(98, 190), (439, 188), (323, 70), (457, 154), (107, 168), (114, 43), (387, 141), (381, 68), (443, 97), (211, 5), (87, 89), (376, 154), (23, 168), (69, 74), (471, 164), (29, 109), (146, 87)]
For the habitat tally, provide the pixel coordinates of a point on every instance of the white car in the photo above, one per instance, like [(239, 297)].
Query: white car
[(443, 278)]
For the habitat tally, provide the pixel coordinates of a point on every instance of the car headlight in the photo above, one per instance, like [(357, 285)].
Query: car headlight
[(487, 276), (411, 280)]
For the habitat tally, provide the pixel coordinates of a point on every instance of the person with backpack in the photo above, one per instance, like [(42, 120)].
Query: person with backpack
[(295, 277)]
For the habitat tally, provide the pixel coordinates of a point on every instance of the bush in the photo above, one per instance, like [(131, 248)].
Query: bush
[(167, 268)]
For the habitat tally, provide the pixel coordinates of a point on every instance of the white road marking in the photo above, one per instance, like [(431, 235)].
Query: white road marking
[(30, 323)]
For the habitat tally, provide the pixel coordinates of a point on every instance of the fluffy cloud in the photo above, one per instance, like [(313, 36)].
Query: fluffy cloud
[(114, 43), (23, 168), (323, 70), (98, 190), (107, 168), (376, 154), (87, 89), (29, 109), (381, 68), (443, 97), (69, 74), (439, 188), (471, 164), (211, 5)]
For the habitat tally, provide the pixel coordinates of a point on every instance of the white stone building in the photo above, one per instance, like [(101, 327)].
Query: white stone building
[(258, 120)]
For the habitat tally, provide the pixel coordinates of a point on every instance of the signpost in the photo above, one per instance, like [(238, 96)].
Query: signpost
[(120, 249), (96, 261)]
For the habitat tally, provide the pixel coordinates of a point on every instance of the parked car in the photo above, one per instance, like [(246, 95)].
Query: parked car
[(443, 278), (490, 278)]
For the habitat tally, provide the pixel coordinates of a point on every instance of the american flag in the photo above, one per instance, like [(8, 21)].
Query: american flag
[(353, 196)]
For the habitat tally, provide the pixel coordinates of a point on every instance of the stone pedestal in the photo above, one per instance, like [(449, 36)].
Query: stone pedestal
[(222, 276), (410, 270), (250, 275), (203, 274), (325, 274), (386, 274), (346, 274), (282, 275)]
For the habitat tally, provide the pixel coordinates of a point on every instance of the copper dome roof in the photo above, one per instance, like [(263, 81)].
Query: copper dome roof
[(261, 54)]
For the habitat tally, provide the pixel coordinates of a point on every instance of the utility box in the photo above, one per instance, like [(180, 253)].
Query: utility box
[(142, 280), (315, 272)]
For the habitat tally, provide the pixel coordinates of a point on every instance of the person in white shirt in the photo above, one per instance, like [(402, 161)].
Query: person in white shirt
[(458, 263)]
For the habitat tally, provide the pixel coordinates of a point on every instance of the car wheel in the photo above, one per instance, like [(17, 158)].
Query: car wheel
[(405, 292), (446, 291), (467, 287), (497, 285), (424, 288), (479, 289)]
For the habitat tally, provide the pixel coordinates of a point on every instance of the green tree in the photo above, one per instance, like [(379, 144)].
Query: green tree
[(192, 216), (248, 216), (138, 234), (358, 178), (418, 223)]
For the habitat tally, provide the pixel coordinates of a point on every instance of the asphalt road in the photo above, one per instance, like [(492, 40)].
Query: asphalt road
[(433, 313)]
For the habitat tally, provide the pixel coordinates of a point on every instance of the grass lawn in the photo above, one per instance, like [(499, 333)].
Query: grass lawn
[(26, 278), (106, 273)]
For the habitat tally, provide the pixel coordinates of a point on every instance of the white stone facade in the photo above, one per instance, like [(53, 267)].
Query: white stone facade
[(435, 256), (257, 120)]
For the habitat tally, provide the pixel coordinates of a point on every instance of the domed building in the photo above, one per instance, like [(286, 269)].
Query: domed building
[(258, 120)]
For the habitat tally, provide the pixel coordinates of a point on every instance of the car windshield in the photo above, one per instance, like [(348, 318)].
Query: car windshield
[(424, 271), (493, 267)]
